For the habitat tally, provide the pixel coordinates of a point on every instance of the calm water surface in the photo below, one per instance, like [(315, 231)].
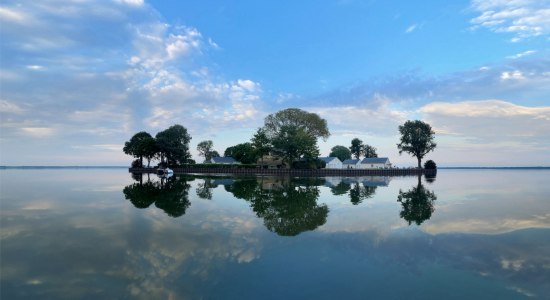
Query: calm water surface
[(99, 233)]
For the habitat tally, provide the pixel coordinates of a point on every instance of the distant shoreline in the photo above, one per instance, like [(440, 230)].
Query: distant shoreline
[(126, 167)]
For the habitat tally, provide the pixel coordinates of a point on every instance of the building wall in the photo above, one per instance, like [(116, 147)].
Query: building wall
[(334, 165), (376, 166)]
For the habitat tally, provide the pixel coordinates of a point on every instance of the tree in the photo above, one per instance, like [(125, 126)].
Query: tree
[(294, 132), (292, 143), (417, 204), (417, 139), (150, 149), (137, 145), (261, 143), (356, 147), (243, 153), (173, 144), (205, 150), (341, 152), (369, 151), (311, 123)]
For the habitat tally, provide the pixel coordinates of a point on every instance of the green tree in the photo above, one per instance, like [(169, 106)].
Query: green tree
[(417, 139), (292, 143), (311, 123), (294, 132), (150, 149), (417, 204), (369, 151), (173, 144), (356, 148), (205, 150), (243, 153), (137, 145), (261, 143), (287, 206), (341, 152)]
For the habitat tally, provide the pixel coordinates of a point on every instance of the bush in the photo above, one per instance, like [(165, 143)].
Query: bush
[(430, 165), (137, 164)]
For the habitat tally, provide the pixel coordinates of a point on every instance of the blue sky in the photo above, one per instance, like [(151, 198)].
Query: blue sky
[(78, 78)]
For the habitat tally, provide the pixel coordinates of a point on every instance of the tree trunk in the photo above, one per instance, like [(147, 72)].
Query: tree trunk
[(419, 163)]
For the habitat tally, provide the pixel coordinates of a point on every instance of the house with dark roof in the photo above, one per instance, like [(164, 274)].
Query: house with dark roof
[(227, 160), (332, 162), (375, 163), (351, 164)]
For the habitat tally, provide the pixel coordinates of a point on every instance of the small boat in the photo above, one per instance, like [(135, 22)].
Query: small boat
[(165, 171)]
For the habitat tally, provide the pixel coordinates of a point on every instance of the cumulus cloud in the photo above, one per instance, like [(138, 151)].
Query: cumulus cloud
[(136, 73), (522, 18)]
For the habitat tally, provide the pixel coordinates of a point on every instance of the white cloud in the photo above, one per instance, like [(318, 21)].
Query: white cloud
[(8, 14), (38, 131), (511, 75), (522, 18), (411, 28), (10, 107), (522, 54)]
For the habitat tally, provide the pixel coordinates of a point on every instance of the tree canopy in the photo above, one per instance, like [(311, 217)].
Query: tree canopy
[(205, 149), (292, 143), (417, 139), (341, 152), (369, 151), (293, 133), (139, 145), (311, 123), (417, 204), (356, 147), (173, 143), (243, 153)]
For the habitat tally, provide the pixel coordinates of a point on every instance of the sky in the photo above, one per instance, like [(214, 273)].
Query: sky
[(79, 78)]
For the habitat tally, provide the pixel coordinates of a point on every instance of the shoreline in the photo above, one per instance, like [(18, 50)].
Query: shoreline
[(295, 172)]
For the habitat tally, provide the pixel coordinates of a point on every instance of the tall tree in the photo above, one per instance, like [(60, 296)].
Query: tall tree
[(173, 144), (150, 149), (137, 145), (369, 151), (294, 132), (417, 204), (205, 150), (311, 123), (341, 152), (292, 143), (417, 139), (261, 143), (356, 147)]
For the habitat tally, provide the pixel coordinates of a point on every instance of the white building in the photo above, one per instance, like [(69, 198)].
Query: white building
[(375, 163), (351, 164), (224, 160), (332, 162)]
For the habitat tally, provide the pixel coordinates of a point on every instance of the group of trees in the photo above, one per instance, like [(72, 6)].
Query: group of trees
[(291, 134), (170, 146), (357, 149)]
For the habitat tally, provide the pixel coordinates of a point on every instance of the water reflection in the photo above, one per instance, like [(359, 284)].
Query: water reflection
[(287, 206), (169, 194), (417, 203)]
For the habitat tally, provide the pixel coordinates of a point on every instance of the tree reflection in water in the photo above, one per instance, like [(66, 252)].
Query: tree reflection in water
[(287, 206), (168, 194), (418, 204)]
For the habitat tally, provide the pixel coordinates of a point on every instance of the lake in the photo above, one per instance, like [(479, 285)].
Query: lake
[(100, 233)]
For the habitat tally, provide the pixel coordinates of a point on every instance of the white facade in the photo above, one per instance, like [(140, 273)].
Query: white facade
[(332, 162), (351, 164), (375, 163)]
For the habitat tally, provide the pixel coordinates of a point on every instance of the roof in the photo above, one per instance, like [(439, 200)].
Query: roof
[(351, 161), (224, 160), (375, 160), (328, 159)]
